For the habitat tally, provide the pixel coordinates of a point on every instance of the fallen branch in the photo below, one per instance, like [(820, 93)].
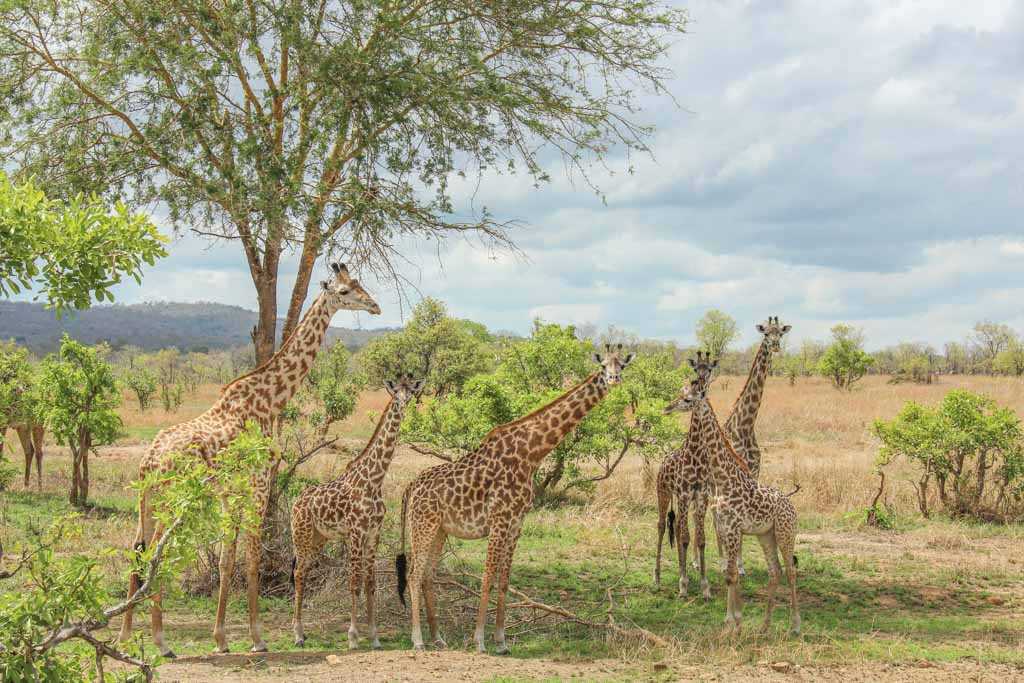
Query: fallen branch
[(427, 450)]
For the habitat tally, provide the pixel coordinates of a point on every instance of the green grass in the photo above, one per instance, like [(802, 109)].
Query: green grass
[(853, 608)]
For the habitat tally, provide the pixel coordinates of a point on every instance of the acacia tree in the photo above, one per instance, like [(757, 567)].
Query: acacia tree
[(320, 124), (845, 361)]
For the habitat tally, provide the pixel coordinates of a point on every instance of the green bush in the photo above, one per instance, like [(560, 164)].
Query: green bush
[(967, 447)]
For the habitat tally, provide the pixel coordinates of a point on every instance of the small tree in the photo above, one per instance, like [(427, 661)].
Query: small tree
[(335, 386), (715, 331), (989, 339), (444, 351), (80, 398), (142, 383), (968, 446), (1010, 361), (74, 252), (845, 361)]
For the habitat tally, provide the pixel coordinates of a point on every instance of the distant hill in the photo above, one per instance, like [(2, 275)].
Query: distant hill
[(151, 326)]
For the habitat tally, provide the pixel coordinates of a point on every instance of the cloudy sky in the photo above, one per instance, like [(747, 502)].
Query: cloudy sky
[(831, 161)]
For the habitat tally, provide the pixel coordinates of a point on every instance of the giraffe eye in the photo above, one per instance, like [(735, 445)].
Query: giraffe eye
[(343, 292)]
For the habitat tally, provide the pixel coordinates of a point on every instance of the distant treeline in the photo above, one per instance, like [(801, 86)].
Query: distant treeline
[(188, 327)]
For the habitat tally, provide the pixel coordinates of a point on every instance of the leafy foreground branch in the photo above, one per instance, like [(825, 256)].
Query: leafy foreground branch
[(63, 606)]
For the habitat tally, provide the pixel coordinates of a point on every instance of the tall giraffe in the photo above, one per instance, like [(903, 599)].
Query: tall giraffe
[(742, 507), (259, 396), (739, 426), (351, 507), (680, 480), (487, 493)]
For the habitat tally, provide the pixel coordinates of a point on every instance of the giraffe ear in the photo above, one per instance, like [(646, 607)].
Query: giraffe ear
[(714, 364), (692, 362), (323, 284), (417, 386), (598, 358), (628, 359), (786, 328), (390, 386), (761, 328)]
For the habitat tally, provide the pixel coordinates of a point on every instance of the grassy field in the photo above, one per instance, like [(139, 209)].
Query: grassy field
[(932, 599)]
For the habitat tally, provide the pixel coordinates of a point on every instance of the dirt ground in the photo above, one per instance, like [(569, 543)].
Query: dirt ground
[(441, 667)]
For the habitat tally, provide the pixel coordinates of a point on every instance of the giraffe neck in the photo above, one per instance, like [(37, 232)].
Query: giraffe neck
[(372, 464), (744, 411), (547, 426), (265, 391), (726, 466)]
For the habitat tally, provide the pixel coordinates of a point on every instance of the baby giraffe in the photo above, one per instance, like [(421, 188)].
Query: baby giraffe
[(486, 494), (743, 506), (351, 506)]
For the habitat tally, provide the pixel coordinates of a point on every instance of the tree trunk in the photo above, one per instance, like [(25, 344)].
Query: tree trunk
[(300, 289), (265, 332)]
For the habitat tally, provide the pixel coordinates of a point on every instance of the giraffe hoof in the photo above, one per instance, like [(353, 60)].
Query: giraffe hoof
[(259, 647), (169, 655), (502, 650), (418, 647), (376, 645), (300, 642), (439, 644)]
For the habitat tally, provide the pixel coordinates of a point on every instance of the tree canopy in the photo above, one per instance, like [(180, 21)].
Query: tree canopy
[(715, 331), (320, 124), (72, 251)]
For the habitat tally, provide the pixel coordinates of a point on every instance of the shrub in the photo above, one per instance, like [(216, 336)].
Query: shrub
[(968, 447), (845, 361), (142, 382)]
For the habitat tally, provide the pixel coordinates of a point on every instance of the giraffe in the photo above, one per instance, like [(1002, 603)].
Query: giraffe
[(739, 426), (486, 494), (30, 434), (742, 507), (259, 396), (679, 480), (351, 507)]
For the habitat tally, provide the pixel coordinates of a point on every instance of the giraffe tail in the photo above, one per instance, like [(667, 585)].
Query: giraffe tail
[(292, 577), (671, 528), (794, 491), (401, 561)]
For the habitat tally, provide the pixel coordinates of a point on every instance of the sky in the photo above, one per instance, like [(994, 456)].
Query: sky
[(857, 162)]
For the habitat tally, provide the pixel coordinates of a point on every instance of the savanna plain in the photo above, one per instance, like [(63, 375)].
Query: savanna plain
[(929, 599)]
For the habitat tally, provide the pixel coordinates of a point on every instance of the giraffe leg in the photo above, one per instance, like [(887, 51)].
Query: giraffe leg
[(700, 511), (421, 541), (37, 443), (226, 569), (370, 587), (683, 542), (785, 538), (307, 547), (155, 611), (771, 559), (664, 502), (26, 448), (730, 539), (430, 592), (143, 534), (356, 543), (253, 553), (503, 573), (496, 546)]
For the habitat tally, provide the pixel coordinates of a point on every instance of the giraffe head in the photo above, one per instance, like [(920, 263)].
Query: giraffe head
[(773, 332), (344, 292), (613, 363), (404, 390), (697, 389)]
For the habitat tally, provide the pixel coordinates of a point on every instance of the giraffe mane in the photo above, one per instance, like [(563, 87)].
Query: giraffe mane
[(750, 375), (376, 433), (740, 462), (267, 362), (529, 415)]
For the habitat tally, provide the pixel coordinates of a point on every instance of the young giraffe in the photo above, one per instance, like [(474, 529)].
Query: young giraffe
[(739, 426), (742, 507), (351, 506), (487, 493), (682, 478), (259, 396)]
